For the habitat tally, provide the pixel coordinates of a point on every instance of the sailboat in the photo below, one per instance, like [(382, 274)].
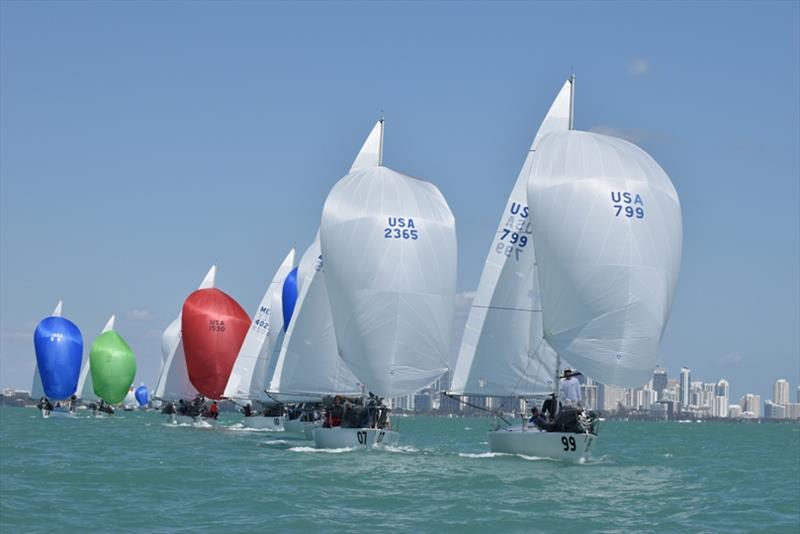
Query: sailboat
[(173, 380), (112, 365), (213, 328), (142, 395), (308, 367), (59, 347), (251, 371), (602, 285), (389, 244)]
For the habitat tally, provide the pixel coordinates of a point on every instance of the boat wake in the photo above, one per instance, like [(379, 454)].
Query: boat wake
[(404, 449), (276, 442), (239, 427), (482, 454), (328, 451)]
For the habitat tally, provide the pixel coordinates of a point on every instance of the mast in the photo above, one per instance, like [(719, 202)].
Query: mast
[(380, 146), (556, 383), (571, 100)]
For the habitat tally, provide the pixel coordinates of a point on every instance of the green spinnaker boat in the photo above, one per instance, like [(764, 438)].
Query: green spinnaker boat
[(113, 365)]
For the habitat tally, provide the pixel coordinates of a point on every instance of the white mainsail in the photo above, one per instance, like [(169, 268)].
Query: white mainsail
[(309, 366), (608, 232), (249, 377), (503, 351), (37, 388), (173, 380), (389, 244)]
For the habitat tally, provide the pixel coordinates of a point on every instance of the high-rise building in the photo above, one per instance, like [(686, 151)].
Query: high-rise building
[(660, 381), (723, 389), (685, 386), (720, 407), (774, 410), (751, 404), (589, 395), (780, 392)]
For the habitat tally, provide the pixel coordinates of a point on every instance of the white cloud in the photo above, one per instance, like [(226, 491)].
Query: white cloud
[(730, 358), (638, 67), (139, 315)]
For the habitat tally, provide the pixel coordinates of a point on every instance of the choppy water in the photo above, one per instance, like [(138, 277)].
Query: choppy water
[(132, 472)]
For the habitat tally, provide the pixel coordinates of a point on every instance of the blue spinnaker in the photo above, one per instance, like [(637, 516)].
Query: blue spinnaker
[(142, 395), (59, 351), (289, 297)]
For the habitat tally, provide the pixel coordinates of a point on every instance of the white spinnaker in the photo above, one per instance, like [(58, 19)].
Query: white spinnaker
[(608, 232), (503, 351), (37, 388), (249, 378), (309, 366), (173, 381), (389, 244)]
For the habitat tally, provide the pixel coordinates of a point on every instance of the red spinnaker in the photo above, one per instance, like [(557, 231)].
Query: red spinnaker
[(213, 329)]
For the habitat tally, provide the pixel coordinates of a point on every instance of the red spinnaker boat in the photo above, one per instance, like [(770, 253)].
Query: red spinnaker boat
[(213, 329)]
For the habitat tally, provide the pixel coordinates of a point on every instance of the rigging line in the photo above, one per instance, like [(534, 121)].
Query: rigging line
[(481, 408), (530, 359)]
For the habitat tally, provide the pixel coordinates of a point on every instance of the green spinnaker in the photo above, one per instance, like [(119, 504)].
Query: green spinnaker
[(113, 367)]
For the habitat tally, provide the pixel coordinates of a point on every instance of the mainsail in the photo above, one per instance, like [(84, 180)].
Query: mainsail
[(389, 244), (112, 365), (607, 229), (502, 351), (59, 348), (249, 376), (309, 366), (173, 380)]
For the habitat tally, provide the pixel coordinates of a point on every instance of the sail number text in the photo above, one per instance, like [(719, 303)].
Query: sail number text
[(261, 321), (627, 204), (569, 444), (361, 435), (401, 228), (216, 325), (516, 233)]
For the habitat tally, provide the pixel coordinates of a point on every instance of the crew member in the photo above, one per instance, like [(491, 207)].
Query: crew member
[(570, 389)]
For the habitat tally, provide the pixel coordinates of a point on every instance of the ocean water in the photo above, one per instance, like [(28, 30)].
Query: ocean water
[(133, 472)]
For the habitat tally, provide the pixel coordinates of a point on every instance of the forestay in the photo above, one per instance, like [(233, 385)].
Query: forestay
[(607, 230), (502, 351), (309, 366), (389, 244), (173, 380), (249, 377)]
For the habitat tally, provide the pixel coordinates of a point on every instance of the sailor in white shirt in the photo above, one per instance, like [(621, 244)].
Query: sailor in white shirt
[(570, 389)]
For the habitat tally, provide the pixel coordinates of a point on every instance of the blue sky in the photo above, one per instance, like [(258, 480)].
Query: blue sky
[(141, 142)]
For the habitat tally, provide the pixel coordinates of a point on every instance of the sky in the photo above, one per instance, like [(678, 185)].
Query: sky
[(142, 142)]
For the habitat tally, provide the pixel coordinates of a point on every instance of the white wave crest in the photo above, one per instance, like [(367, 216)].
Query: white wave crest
[(329, 451)]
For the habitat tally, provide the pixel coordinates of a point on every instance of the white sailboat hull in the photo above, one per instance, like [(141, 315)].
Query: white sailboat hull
[(349, 438), (306, 428), (565, 446), (263, 422)]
